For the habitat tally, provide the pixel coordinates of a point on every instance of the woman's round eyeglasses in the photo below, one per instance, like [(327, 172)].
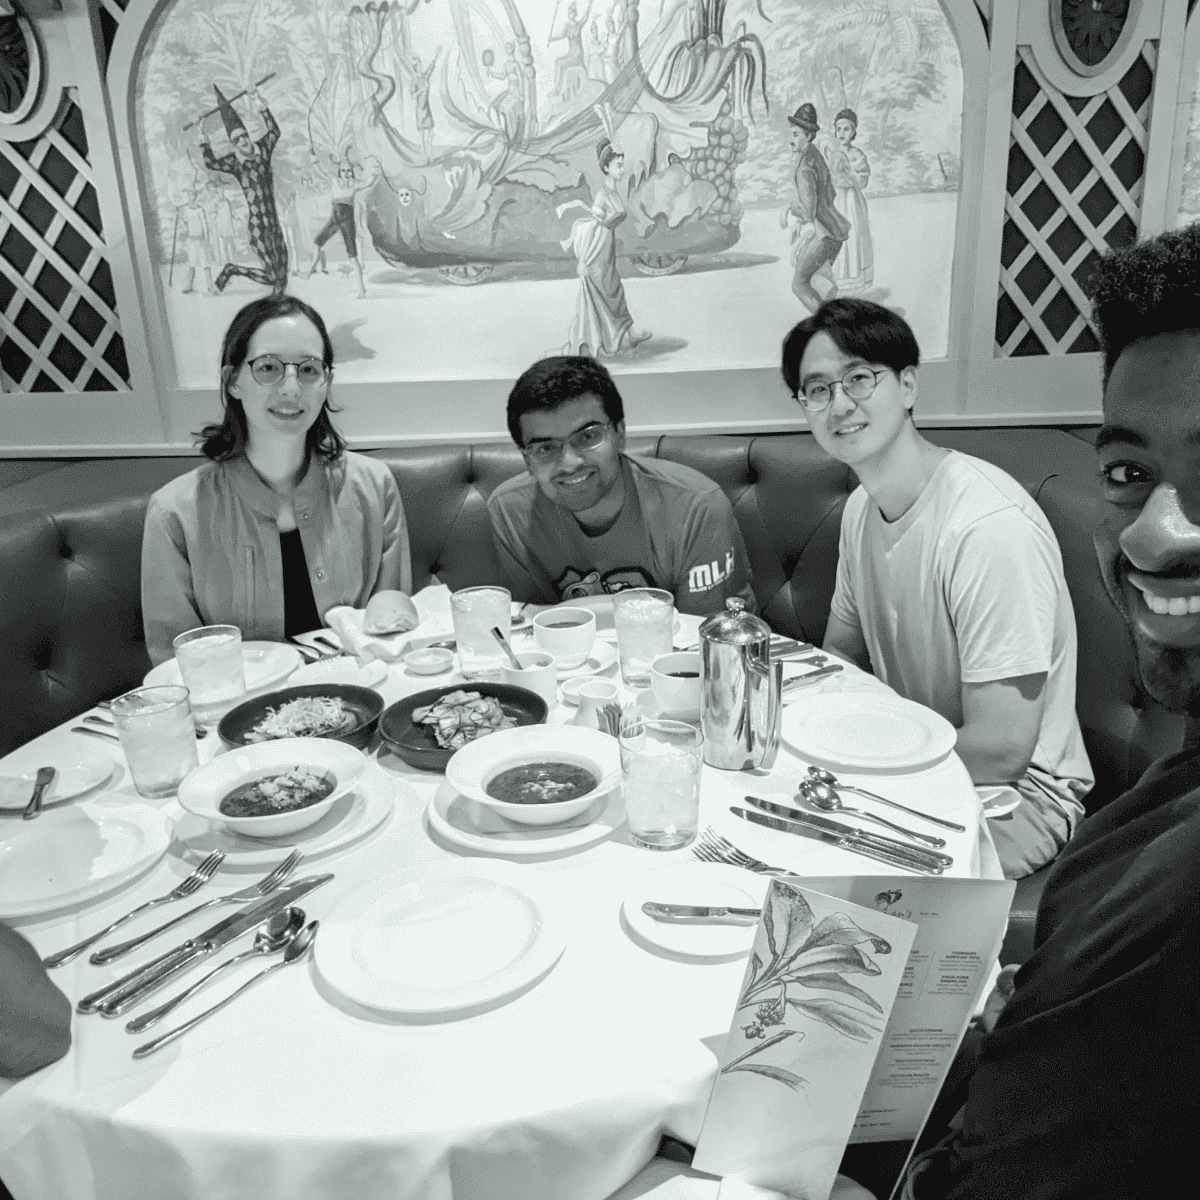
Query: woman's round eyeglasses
[(858, 383), (267, 369), (545, 451)]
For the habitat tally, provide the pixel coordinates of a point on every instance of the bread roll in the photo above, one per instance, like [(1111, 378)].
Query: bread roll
[(390, 612)]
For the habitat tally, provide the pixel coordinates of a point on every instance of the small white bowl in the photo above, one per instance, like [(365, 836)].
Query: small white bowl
[(203, 790), (474, 766), (429, 660)]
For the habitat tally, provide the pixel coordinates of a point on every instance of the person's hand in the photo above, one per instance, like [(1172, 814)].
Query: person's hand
[(785, 212), (999, 997)]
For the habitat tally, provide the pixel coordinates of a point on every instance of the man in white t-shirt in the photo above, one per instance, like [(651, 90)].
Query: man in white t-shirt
[(950, 583)]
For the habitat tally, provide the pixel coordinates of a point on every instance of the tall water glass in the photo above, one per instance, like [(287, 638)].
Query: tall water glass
[(210, 662), (660, 769), (158, 736), (475, 611), (645, 623)]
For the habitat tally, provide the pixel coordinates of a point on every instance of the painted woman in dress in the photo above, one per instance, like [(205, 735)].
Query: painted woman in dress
[(602, 323), (854, 267)]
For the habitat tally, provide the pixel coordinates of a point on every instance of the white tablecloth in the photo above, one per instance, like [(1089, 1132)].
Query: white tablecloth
[(560, 1093)]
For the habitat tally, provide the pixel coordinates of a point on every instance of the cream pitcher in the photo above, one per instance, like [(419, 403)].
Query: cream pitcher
[(740, 698)]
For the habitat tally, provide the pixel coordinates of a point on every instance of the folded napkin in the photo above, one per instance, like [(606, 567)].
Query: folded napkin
[(433, 607)]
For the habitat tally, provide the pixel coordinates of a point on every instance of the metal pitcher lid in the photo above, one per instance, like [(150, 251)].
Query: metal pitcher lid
[(735, 626)]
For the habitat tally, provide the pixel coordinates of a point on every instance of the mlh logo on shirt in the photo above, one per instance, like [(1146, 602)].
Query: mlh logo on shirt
[(708, 575)]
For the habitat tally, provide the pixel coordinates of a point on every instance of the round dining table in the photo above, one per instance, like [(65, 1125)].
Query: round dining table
[(293, 1092)]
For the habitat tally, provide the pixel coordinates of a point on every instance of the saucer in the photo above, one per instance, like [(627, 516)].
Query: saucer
[(649, 706)]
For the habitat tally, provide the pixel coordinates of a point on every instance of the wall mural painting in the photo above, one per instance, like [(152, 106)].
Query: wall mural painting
[(462, 186)]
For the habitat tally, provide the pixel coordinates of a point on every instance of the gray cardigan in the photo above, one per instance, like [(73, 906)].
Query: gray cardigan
[(210, 551)]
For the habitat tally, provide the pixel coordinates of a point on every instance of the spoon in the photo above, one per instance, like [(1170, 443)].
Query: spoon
[(45, 777), (295, 951), (822, 796), (512, 658), (274, 935), (830, 779)]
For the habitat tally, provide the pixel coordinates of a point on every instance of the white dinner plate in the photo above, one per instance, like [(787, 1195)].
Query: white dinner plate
[(342, 669), (473, 826), (77, 853), (72, 777), (696, 883), (442, 937), (860, 731), (265, 663), (349, 820)]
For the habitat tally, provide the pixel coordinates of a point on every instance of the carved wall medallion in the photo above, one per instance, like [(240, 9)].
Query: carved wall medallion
[(1089, 32), (20, 68)]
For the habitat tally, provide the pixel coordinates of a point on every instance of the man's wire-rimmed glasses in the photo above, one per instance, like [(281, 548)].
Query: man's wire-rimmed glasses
[(268, 370), (858, 383), (545, 451)]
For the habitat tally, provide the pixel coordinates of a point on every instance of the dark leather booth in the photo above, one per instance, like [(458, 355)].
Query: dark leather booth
[(70, 543)]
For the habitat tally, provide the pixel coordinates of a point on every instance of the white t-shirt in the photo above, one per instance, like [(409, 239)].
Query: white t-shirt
[(968, 587)]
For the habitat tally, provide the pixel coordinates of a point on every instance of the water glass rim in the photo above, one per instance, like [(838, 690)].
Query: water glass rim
[(181, 696), (656, 591), (191, 635), (481, 587), (667, 725)]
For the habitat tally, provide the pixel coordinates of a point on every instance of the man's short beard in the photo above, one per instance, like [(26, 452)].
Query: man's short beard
[(1168, 675)]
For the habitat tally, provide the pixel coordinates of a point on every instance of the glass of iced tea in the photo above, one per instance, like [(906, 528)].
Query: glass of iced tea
[(210, 662), (158, 736)]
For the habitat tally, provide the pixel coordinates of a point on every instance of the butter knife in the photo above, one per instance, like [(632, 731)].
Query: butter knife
[(114, 998), (819, 835), (805, 817), (698, 913)]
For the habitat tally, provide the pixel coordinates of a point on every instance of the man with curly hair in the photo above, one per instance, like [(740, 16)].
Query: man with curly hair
[(1085, 1084)]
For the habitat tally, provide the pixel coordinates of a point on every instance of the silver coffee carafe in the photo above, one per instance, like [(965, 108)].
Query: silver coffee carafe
[(740, 698)]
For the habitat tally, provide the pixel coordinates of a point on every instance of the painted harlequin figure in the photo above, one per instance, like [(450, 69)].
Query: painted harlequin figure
[(250, 165)]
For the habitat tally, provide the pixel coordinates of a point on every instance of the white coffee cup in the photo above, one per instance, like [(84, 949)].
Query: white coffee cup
[(567, 633), (538, 673), (676, 692)]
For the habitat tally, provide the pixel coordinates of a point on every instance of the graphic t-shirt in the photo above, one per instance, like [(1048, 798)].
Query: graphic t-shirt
[(676, 531), (968, 587)]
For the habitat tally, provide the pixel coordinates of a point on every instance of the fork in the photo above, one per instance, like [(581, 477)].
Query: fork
[(255, 892), (712, 847), (193, 883)]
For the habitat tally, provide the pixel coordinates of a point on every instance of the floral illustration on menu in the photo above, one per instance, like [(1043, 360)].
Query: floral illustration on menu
[(806, 957)]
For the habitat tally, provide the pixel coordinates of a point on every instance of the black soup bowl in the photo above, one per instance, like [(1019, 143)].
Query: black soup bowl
[(417, 744), (366, 704)]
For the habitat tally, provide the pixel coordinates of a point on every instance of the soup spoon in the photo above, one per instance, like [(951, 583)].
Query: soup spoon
[(296, 949), (831, 780), (274, 935), (822, 796)]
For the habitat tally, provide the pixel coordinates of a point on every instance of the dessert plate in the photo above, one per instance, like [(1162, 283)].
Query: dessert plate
[(76, 854), (696, 883), (72, 778), (443, 937), (265, 664)]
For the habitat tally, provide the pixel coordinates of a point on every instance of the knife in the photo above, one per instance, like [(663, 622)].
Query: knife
[(810, 831), (893, 845), (694, 913), (114, 998)]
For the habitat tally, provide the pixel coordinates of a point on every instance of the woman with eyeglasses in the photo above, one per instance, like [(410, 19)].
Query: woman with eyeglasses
[(283, 522)]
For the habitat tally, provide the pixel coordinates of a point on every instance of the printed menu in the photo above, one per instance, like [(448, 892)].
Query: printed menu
[(960, 927)]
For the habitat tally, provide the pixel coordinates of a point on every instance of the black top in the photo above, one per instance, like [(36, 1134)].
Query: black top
[(299, 607), (1087, 1086)]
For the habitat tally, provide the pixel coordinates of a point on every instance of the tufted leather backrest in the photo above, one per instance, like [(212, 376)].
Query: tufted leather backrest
[(70, 545)]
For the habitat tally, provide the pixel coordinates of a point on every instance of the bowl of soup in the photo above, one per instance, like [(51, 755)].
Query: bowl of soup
[(537, 774), (272, 789)]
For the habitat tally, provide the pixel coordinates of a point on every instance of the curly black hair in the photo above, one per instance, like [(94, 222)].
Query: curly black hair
[(1149, 288), (555, 380)]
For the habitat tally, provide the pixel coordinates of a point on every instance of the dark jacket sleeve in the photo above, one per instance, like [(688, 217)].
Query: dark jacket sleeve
[(35, 1017)]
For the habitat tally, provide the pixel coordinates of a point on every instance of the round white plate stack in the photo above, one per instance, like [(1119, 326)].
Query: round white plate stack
[(446, 937)]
